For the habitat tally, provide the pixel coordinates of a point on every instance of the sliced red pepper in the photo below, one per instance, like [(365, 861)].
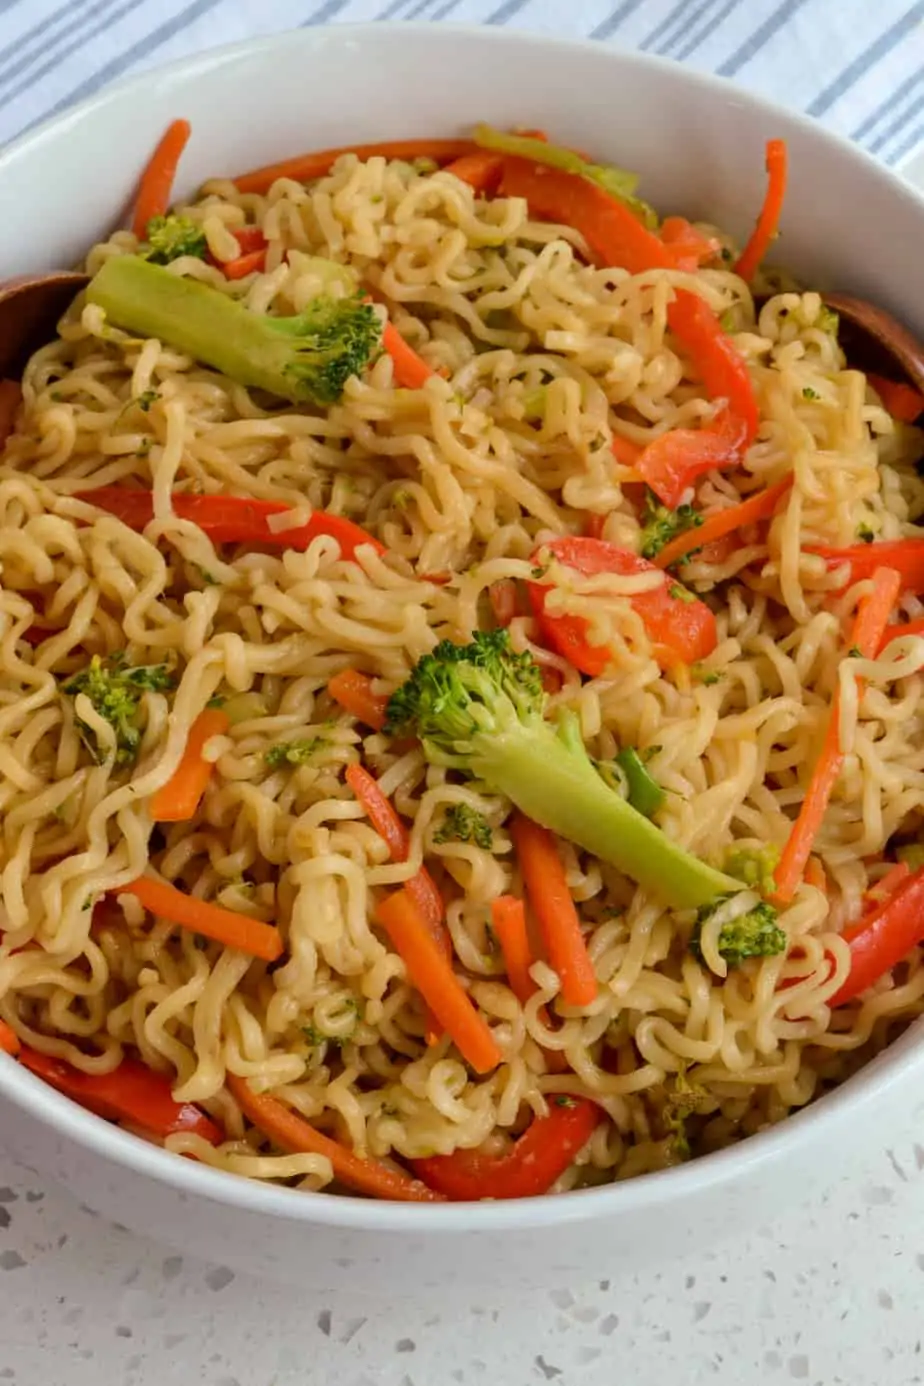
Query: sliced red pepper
[(902, 400), (251, 254), (130, 1093), (540, 1156), (674, 461), (906, 556), (883, 938), (231, 519), (689, 247), (679, 625)]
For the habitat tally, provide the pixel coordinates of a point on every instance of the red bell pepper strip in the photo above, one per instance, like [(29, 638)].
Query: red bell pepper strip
[(130, 1093), (890, 633), (305, 167), (9, 1040), (885, 936), (251, 256), (902, 400), (530, 1167), (679, 625), (689, 246), (673, 461), (481, 170), (231, 519), (766, 229), (906, 556)]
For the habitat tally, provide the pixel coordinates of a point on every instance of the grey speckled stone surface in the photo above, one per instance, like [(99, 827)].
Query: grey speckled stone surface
[(829, 1296)]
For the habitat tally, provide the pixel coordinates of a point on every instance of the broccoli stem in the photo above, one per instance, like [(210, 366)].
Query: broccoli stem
[(557, 786)]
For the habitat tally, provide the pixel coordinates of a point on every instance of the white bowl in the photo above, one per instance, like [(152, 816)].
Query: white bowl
[(698, 144)]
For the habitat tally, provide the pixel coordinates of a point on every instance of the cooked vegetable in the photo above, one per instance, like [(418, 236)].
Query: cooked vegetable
[(479, 708), (157, 180), (430, 971), (169, 238), (307, 358), (304, 167), (508, 920), (9, 1040), (906, 556), (464, 824), (553, 906), (902, 400), (644, 792), (883, 937), (767, 227), (292, 1133), (251, 256), (410, 370), (212, 921), (866, 636), (232, 519), (297, 752), (131, 1092), (761, 506), (397, 839), (353, 691), (114, 690), (679, 626), (178, 799), (530, 1167), (691, 248), (754, 866), (754, 934), (660, 525), (481, 170)]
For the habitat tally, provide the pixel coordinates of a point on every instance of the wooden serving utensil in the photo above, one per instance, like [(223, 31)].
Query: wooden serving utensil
[(30, 307), (875, 341)]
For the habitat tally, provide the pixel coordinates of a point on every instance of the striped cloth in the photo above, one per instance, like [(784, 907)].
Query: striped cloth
[(858, 65)]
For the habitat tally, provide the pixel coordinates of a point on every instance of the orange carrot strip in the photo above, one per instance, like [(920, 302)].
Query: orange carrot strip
[(244, 265), (761, 506), (410, 370), (178, 799), (10, 400), (508, 920), (157, 179), (482, 170), (9, 1040), (293, 1133), (902, 400), (815, 874), (544, 875), (432, 975), (768, 222), (353, 691), (225, 926), (868, 626), (304, 167)]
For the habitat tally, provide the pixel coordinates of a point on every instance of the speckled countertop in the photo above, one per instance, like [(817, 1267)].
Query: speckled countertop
[(829, 1296)]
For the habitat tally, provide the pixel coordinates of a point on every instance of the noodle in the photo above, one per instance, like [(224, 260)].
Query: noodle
[(460, 481)]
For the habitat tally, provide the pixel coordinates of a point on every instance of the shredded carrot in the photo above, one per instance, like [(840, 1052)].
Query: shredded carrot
[(901, 400), (410, 370), (244, 265), (544, 876), (481, 170), (304, 167), (157, 179), (761, 506), (431, 973), (293, 1134), (178, 799), (353, 691), (768, 222), (225, 926), (10, 400), (870, 622), (9, 1040), (889, 883)]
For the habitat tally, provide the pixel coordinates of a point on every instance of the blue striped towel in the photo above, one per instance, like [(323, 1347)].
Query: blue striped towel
[(858, 65)]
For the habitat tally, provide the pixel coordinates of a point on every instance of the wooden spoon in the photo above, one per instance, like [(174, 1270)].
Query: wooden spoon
[(875, 341), (30, 307)]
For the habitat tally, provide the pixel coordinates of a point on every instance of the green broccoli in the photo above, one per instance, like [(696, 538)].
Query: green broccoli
[(292, 752), (114, 689), (754, 866), (306, 359), (170, 237), (643, 791), (755, 934), (464, 824), (660, 525), (479, 708)]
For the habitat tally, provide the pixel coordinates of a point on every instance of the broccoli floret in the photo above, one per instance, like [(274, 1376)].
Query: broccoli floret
[(755, 934), (464, 824), (660, 525), (170, 237), (115, 690), (307, 358), (292, 752), (754, 866), (479, 708)]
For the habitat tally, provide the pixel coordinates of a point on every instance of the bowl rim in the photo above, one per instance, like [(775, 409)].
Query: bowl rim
[(856, 1097)]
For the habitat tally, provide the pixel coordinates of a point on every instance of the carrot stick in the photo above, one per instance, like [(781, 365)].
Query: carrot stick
[(225, 926), (157, 179), (410, 370), (293, 1133), (891, 633), (244, 265), (432, 975), (768, 222), (868, 627), (9, 1040), (10, 400), (551, 900), (304, 167), (178, 799), (481, 170), (508, 920), (901, 400), (353, 691), (761, 506)]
